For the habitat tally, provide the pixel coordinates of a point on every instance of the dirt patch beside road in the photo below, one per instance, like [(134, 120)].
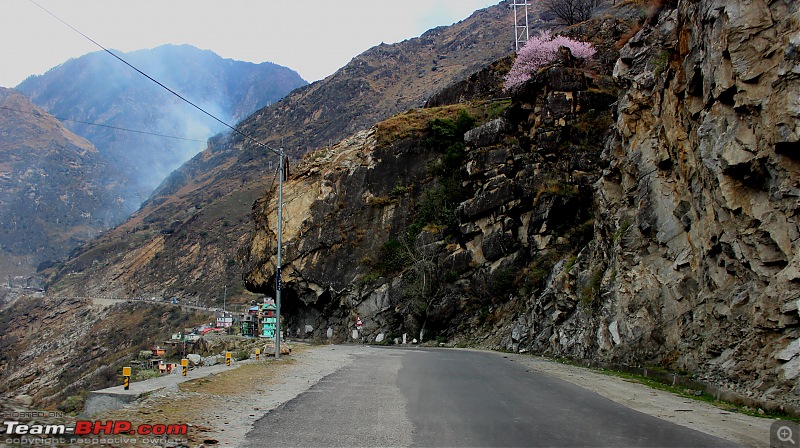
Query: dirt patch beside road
[(222, 408)]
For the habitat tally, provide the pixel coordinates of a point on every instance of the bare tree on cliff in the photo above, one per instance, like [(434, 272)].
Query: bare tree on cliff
[(422, 282), (571, 12)]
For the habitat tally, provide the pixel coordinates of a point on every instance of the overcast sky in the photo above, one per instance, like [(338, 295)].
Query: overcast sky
[(313, 37)]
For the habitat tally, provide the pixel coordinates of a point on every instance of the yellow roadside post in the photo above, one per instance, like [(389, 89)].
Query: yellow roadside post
[(126, 377), (228, 359), (258, 354), (185, 365)]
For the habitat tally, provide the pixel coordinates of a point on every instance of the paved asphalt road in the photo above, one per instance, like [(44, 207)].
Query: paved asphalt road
[(445, 397)]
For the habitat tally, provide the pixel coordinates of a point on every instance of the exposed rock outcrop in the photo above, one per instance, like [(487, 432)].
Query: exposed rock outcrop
[(694, 262), (365, 232)]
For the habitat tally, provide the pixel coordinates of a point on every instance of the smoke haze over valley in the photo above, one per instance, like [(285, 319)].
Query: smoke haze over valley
[(59, 190), (98, 89)]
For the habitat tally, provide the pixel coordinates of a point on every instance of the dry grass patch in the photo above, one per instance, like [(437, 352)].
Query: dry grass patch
[(240, 381), (415, 121)]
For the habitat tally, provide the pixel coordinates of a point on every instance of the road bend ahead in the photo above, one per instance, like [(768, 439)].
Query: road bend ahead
[(444, 397)]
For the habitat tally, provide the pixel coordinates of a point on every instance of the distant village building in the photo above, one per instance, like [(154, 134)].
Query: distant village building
[(259, 320), (224, 319), (250, 321), (249, 324), (268, 318)]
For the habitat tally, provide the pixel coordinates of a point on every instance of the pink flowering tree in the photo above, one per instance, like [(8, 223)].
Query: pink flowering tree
[(540, 51)]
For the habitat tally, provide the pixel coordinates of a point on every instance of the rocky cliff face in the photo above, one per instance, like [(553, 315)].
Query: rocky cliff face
[(660, 232), (419, 230), (697, 212)]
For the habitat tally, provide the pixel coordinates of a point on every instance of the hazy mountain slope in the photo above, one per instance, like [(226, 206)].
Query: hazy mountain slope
[(206, 203), (50, 192), (98, 88)]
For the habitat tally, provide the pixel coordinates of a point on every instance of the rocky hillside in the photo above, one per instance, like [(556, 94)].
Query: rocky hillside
[(185, 238), (55, 349), (97, 88), (654, 225), (55, 191)]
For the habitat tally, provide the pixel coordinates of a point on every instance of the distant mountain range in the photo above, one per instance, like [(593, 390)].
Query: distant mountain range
[(101, 90), (58, 190)]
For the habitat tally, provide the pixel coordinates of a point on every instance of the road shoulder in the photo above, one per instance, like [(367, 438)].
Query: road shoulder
[(698, 415)]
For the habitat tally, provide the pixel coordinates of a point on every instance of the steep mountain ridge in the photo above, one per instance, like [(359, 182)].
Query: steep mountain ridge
[(51, 199)]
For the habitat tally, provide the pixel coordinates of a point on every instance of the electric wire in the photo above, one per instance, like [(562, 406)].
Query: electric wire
[(243, 134), (117, 128)]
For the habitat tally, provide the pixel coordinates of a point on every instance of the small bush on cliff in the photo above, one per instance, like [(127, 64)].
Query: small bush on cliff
[(443, 132), (540, 51), (437, 206), (393, 258), (447, 137), (503, 282)]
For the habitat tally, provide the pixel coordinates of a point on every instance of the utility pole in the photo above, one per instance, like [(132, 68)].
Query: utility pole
[(520, 24), (278, 280), (224, 298)]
